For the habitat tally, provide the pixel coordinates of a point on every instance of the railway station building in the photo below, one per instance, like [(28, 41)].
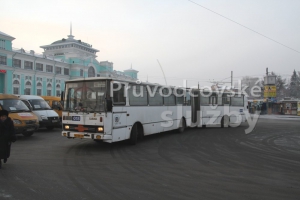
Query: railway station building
[(25, 72)]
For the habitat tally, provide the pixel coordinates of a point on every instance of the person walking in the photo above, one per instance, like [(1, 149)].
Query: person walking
[(7, 136)]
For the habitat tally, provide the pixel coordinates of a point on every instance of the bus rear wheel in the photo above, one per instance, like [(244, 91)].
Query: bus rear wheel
[(225, 121), (182, 126)]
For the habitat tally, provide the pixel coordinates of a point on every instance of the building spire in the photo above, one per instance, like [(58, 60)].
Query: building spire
[(70, 37)]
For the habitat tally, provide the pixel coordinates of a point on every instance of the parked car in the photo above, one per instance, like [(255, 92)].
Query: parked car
[(47, 117), (25, 121)]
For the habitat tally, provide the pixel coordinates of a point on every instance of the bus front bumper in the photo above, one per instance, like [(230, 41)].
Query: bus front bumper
[(93, 136)]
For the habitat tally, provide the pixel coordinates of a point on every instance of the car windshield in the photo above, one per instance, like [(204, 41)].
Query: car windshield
[(13, 105), (39, 104), (85, 96)]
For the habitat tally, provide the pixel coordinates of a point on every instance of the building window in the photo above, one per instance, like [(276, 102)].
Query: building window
[(49, 89), (27, 91), (28, 65), (39, 92), (58, 93), (2, 44), (27, 77), (2, 60), (16, 86), (39, 67), (49, 68), (39, 88), (16, 90), (81, 72), (91, 72), (66, 71), (58, 90), (58, 70), (16, 76), (17, 63)]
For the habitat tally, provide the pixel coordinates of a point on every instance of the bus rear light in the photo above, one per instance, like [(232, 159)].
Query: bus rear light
[(100, 119), (65, 134), (100, 129), (67, 127)]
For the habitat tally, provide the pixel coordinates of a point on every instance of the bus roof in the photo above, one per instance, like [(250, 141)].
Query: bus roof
[(117, 80)]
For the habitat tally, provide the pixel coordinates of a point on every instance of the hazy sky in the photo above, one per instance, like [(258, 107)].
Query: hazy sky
[(190, 41)]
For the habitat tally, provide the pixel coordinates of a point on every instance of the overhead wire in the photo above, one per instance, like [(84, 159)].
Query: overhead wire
[(244, 26)]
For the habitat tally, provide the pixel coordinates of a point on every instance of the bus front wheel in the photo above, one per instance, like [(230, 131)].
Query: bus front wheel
[(133, 135)]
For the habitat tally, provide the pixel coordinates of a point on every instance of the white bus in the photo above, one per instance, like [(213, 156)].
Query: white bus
[(113, 110)]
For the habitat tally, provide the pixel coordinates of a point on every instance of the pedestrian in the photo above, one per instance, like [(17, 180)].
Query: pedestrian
[(7, 136)]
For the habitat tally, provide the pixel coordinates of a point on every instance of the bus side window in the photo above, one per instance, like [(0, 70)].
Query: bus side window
[(237, 101), (179, 96), (187, 98), (204, 98), (119, 95), (213, 99), (225, 99), (137, 95)]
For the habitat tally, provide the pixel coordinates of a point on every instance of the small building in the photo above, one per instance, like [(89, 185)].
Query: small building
[(289, 106)]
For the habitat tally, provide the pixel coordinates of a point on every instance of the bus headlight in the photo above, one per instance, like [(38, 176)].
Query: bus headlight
[(67, 127), (100, 129), (16, 121)]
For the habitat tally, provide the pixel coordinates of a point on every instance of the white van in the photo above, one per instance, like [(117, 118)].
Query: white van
[(47, 117)]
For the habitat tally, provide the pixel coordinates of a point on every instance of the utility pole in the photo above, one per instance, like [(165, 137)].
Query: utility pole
[(231, 79)]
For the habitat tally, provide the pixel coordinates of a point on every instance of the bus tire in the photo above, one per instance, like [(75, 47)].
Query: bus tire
[(222, 122), (182, 126), (133, 135), (225, 121), (27, 134)]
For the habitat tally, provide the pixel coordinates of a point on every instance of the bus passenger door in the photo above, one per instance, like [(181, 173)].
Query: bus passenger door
[(195, 103)]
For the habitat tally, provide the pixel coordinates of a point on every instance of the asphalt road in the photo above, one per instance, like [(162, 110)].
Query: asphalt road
[(211, 163)]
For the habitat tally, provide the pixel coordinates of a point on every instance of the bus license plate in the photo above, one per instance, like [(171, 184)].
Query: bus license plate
[(54, 121), (75, 118), (78, 135)]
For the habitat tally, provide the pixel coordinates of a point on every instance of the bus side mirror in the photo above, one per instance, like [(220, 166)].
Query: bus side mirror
[(109, 105)]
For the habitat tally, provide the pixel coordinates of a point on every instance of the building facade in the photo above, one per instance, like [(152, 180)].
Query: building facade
[(27, 73)]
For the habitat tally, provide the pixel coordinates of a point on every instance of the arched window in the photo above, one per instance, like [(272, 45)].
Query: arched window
[(16, 87), (91, 72), (39, 88), (49, 89), (28, 83), (16, 82)]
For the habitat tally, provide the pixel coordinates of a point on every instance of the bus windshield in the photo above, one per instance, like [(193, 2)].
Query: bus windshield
[(13, 105), (85, 96)]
